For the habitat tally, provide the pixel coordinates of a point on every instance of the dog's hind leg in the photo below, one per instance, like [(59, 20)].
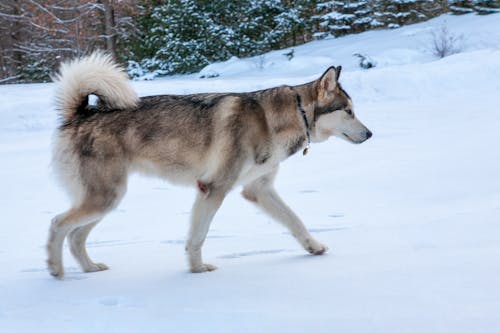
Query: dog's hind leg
[(263, 194), (61, 226), (100, 198), (204, 209), (77, 239)]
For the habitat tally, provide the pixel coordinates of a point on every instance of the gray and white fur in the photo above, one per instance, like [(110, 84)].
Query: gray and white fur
[(212, 142)]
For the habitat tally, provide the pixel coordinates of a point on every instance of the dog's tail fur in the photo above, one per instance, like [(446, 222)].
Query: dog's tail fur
[(95, 74)]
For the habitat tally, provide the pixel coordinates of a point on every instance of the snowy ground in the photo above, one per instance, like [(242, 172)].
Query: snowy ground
[(412, 216)]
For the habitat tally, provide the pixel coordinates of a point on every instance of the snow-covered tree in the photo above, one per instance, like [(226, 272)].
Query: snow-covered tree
[(352, 16), (339, 18), (395, 13), (470, 6), (182, 36)]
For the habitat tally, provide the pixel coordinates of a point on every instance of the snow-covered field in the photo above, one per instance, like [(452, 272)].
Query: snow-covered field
[(412, 216)]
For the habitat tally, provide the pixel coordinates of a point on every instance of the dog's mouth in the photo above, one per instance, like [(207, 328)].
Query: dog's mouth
[(349, 138)]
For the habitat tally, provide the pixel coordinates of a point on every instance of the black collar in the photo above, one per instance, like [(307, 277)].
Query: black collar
[(306, 122)]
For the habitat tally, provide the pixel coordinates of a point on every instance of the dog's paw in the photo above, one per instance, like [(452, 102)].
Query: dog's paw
[(96, 268), (56, 270), (203, 268), (316, 248)]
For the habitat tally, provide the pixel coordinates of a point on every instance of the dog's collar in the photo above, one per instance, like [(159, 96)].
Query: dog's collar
[(306, 122)]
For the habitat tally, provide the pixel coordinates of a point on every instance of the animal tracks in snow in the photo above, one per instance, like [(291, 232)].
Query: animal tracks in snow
[(173, 242), (252, 253), (183, 241), (308, 191), (315, 230), (71, 273), (110, 243)]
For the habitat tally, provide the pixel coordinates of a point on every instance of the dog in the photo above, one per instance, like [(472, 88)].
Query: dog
[(212, 141)]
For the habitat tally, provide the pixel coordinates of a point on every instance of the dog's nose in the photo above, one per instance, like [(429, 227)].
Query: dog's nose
[(368, 135)]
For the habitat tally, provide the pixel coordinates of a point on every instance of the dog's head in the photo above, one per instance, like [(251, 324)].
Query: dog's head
[(333, 111)]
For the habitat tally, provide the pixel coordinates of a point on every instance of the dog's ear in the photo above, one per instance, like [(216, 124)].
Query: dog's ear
[(329, 80), (338, 69)]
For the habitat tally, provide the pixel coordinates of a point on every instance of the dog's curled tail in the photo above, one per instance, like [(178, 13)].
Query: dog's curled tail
[(95, 74)]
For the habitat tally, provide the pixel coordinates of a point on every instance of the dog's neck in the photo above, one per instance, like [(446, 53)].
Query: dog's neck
[(284, 115)]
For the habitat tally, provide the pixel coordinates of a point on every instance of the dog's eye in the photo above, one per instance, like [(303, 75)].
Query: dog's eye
[(349, 111)]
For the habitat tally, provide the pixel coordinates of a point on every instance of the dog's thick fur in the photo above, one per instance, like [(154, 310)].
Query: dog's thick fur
[(211, 141)]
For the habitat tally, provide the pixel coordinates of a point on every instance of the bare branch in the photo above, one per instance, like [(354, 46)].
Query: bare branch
[(11, 78), (13, 17), (45, 10)]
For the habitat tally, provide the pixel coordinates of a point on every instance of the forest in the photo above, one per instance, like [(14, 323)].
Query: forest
[(182, 36)]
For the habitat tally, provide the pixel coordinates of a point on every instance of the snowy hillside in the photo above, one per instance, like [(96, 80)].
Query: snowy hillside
[(411, 217)]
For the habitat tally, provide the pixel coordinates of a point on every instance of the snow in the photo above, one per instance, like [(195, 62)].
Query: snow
[(411, 216)]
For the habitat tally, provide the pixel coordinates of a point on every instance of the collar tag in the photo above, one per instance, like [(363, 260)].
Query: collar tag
[(306, 149)]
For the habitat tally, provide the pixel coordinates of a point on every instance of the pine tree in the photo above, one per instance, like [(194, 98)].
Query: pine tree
[(482, 7), (339, 18), (183, 36), (396, 13)]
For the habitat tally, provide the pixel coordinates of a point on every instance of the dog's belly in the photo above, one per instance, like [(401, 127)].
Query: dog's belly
[(176, 174), (183, 176), (205, 170)]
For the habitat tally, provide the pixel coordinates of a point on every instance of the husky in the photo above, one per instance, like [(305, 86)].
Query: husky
[(211, 141)]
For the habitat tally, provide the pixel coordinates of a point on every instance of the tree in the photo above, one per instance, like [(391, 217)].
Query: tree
[(41, 34), (182, 36), (339, 18)]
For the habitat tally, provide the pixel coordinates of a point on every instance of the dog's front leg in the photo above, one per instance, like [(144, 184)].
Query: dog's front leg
[(262, 193), (204, 209)]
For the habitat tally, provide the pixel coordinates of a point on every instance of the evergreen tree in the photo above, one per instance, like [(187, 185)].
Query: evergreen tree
[(395, 13), (182, 38), (339, 18), (470, 6)]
